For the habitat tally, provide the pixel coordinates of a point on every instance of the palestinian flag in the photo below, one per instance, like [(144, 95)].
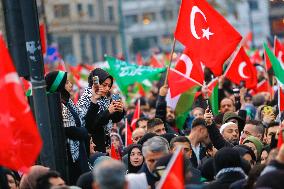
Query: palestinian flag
[(213, 96), (182, 104), (276, 65)]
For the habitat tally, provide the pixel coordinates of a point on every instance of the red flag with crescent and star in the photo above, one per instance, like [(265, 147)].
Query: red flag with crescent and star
[(241, 69), (206, 33), (20, 141)]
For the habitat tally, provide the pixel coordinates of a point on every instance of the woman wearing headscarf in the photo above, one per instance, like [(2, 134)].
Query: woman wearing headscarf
[(135, 158), (76, 133), (99, 110)]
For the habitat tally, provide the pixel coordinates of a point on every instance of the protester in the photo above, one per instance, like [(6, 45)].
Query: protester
[(142, 123), (156, 126), (153, 149), (255, 144), (29, 180), (199, 139), (12, 181), (230, 132), (75, 131), (99, 110), (110, 174), (184, 143), (49, 179), (137, 134), (135, 158), (228, 169)]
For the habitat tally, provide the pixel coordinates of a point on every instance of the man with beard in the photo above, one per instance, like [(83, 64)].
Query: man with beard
[(164, 112), (230, 132)]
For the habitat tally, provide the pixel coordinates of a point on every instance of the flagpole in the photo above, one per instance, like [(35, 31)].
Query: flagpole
[(171, 58)]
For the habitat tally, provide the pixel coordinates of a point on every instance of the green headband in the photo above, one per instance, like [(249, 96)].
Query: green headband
[(57, 81)]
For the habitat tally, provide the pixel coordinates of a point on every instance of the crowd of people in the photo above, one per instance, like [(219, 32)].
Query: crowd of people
[(235, 149)]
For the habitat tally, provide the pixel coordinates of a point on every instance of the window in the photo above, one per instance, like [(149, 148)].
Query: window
[(148, 18), (167, 14), (94, 48), (80, 9), (61, 11), (101, 10), (83, 47), (110, 13), (253, 5), (103, 45), (131, 20), (65, 46), (90, 10), (113, 45)]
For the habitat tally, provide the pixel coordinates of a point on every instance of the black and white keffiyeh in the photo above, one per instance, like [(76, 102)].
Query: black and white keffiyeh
[(85, 101), (72, 118)]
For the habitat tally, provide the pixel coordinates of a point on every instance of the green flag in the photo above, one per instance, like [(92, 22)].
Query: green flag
[(276, 65), (214, 100), (127, 74), (182, 105)]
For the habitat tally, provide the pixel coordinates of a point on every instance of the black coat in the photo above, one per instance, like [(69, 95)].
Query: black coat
[(225, 181), (161, 112), (202, 154), (151, 179), (216, 138), (95, 123)]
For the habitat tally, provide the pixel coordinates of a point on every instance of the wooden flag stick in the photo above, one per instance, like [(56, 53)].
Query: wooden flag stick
[(171, 58)]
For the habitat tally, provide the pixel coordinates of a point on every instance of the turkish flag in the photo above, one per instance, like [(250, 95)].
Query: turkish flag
[(20, 141), (248, 41), (190, 67), (173, 176), (42, 37), (241, 69), (278, 50), (262, 86), (281, 98), (179, 82), (155, 63), (136, 116), (114, 154), (255, 57), (128, 134), (207, 35)]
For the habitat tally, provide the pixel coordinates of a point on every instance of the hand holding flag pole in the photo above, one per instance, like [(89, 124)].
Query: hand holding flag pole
[(171, 58)]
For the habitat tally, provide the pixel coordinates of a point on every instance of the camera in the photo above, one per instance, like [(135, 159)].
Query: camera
[(96, 80)]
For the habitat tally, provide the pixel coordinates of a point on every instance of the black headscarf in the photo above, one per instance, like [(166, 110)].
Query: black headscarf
[(131, 168)]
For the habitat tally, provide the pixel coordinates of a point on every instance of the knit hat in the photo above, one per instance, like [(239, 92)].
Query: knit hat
[(258, 144), (102, 74), (231, 115), (226, 125), (226, 158), (207, 169), (55, 81)]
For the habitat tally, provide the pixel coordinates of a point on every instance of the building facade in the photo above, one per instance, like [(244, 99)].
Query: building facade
[(276, 17), (85, 30), (149, 24)]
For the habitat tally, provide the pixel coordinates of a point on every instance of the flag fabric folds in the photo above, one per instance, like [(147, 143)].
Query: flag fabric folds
[(173, 176), (206, 33), (20, 141), (241, 69), (126, 74)]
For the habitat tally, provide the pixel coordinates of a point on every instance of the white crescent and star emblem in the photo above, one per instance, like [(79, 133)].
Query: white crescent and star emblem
[(206, 32), (241, 70), (188, 63)]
